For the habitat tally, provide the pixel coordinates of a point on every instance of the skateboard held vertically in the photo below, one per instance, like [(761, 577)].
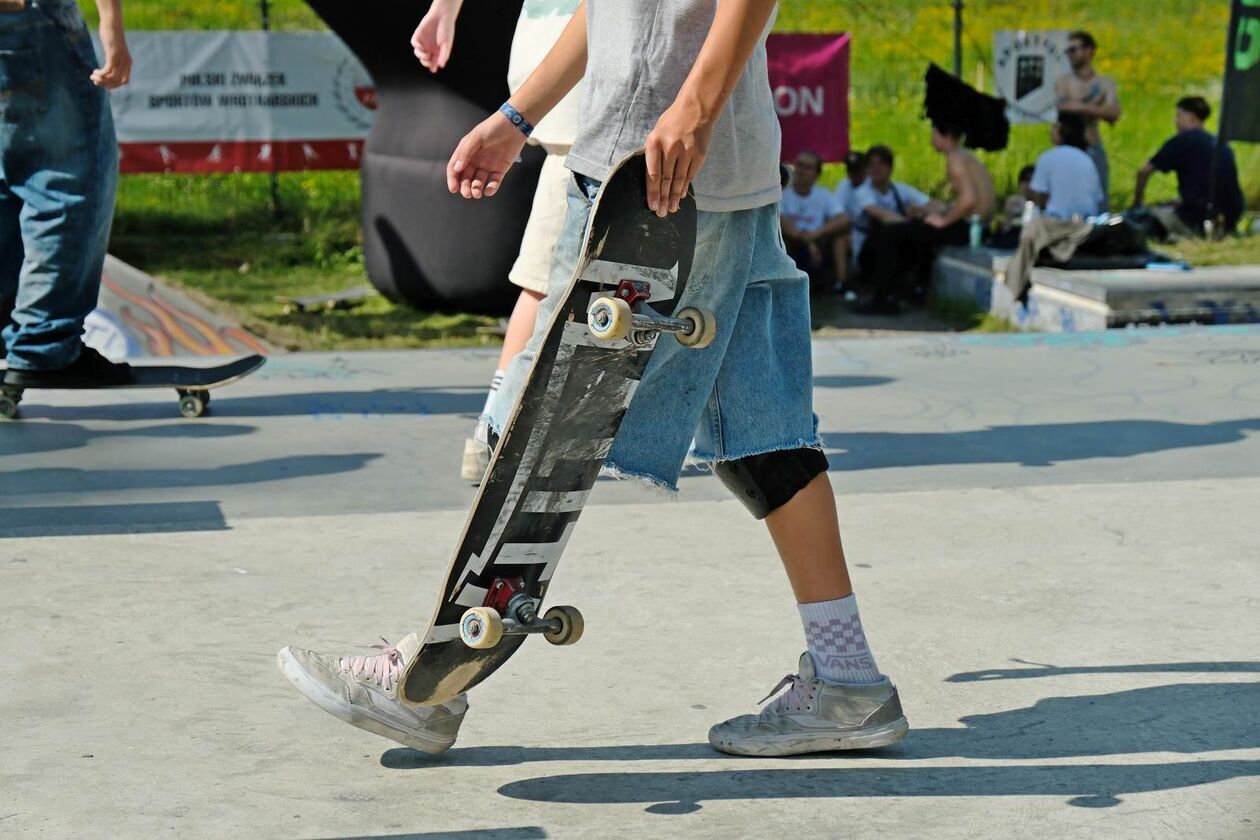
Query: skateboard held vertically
[(191, 384), (621, 299)]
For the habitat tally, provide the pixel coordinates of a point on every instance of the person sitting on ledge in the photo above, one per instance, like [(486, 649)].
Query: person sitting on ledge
[(896, 252), (1190, 153), (815, 227), (1065, 182)]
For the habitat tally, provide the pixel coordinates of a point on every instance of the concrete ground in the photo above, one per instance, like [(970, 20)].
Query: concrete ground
[(1053, 540)]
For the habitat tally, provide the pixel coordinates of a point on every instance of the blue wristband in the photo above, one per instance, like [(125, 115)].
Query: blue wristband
[(517, 118)]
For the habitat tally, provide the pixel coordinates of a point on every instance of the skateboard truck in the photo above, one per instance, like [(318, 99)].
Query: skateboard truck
[(626, 315), (510, 611)]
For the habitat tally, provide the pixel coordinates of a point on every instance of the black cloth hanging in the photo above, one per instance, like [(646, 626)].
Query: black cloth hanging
[(982, 118)]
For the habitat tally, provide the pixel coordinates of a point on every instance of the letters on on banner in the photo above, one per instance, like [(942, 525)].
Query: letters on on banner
[(809, 77), (234, 101), (1025, 65), (242, 102)]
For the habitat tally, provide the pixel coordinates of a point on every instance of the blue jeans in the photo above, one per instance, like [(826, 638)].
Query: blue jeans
[(58, 175), (749, 392)]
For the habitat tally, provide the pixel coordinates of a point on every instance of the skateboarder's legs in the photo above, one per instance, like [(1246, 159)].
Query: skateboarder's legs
[(748, 392), (58, 170)]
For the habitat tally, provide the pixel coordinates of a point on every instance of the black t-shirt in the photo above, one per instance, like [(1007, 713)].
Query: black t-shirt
[(1189, 154)]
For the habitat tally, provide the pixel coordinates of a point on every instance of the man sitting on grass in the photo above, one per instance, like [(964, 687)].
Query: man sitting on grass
[(1190, 153)]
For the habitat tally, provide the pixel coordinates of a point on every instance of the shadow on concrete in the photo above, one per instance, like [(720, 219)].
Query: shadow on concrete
[(28, 438), (95, 520), (671, 793), (1033, 445), (527, 832), (1181, 718), (851, 381), (1039, 669), (1185, 718), (35, 481), (332, 404)]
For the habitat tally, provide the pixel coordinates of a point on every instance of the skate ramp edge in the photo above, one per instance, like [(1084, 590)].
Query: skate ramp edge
[(139, 316)]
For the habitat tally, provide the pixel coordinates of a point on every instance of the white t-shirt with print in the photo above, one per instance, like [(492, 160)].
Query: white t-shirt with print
[(811, 211)]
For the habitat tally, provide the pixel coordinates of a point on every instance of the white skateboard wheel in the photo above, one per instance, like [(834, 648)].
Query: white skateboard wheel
[(481, 628), (571, 625), (705, 329), (609, 319)]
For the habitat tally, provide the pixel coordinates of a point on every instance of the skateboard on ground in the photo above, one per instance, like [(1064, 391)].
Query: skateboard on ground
[(192, 384), (331, 302), (553, 445)]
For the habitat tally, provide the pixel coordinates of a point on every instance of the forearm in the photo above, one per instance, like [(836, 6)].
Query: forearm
[(558, 73), (888, 217), (1139, 188), (962, 209), (110, 13), (737, 27), (790, 230), (837, 224)]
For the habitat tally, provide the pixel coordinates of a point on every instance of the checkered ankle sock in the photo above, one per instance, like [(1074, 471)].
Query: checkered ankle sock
[(837, 643)]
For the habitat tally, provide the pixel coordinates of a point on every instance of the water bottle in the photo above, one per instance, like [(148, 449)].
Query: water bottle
[(976, 231), (1031, 213)]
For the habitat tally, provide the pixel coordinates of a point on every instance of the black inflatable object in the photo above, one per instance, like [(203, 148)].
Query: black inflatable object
[(422, 245)]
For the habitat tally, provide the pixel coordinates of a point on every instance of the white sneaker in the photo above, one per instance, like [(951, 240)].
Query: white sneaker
[(362, 690), (476, 460), (814, 716)]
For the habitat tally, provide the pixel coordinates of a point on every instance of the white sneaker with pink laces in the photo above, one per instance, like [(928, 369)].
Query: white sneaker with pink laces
[(362, 690)]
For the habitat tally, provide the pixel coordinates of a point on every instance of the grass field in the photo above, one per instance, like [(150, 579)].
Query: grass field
[(199, 230)]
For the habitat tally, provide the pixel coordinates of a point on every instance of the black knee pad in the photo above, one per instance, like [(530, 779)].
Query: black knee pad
[(767, 482)]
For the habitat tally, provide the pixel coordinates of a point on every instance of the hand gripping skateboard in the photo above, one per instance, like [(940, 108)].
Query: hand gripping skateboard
[(555, 441), (191, 384)]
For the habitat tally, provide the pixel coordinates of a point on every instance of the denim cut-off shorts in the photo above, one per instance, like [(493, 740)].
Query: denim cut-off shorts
[(747, 393)]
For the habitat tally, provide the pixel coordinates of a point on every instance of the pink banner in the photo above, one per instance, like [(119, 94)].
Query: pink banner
[(809, 75)]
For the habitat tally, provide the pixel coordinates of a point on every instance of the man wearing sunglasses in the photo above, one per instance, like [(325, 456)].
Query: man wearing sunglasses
[(1094, 96)]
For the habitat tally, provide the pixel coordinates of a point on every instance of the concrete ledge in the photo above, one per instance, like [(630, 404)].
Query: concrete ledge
[(1074, 301)]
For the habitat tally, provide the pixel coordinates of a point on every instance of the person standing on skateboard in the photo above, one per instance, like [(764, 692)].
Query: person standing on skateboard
[(58, 173), (687, 80)]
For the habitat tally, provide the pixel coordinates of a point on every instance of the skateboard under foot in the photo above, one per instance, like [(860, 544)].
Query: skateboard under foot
[(192, 384)]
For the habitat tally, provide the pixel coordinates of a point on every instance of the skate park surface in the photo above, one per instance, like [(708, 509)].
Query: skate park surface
[(1052, 537)]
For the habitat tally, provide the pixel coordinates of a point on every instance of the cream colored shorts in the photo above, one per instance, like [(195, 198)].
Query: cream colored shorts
[(546, 219)]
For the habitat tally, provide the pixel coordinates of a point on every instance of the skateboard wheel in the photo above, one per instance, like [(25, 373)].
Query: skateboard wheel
[(609, 319), (9, 405), (481, 627), (571, 625), (704, 331), (193, 404)]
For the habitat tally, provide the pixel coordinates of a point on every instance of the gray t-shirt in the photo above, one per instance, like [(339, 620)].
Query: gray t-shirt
[(639, 53)]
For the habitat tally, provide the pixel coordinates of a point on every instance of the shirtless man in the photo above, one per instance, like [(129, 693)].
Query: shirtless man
[(1094, 96), (896, 258)]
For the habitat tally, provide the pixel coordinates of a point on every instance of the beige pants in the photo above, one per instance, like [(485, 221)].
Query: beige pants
[(1166, 215), (546, 219), (1061, 237)]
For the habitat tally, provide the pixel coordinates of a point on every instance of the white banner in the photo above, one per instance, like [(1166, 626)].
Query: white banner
[(242, 101), (1025, 65)]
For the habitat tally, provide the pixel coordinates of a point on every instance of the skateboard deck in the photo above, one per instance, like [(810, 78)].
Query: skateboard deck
[(192, 384), (555, 441), (345, 299)]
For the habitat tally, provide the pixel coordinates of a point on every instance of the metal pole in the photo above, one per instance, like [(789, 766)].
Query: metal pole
[(958, 33), (1222, 121), (273, 179)]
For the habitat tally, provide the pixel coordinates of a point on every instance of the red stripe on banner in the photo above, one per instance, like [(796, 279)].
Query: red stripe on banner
[(240, 156)]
